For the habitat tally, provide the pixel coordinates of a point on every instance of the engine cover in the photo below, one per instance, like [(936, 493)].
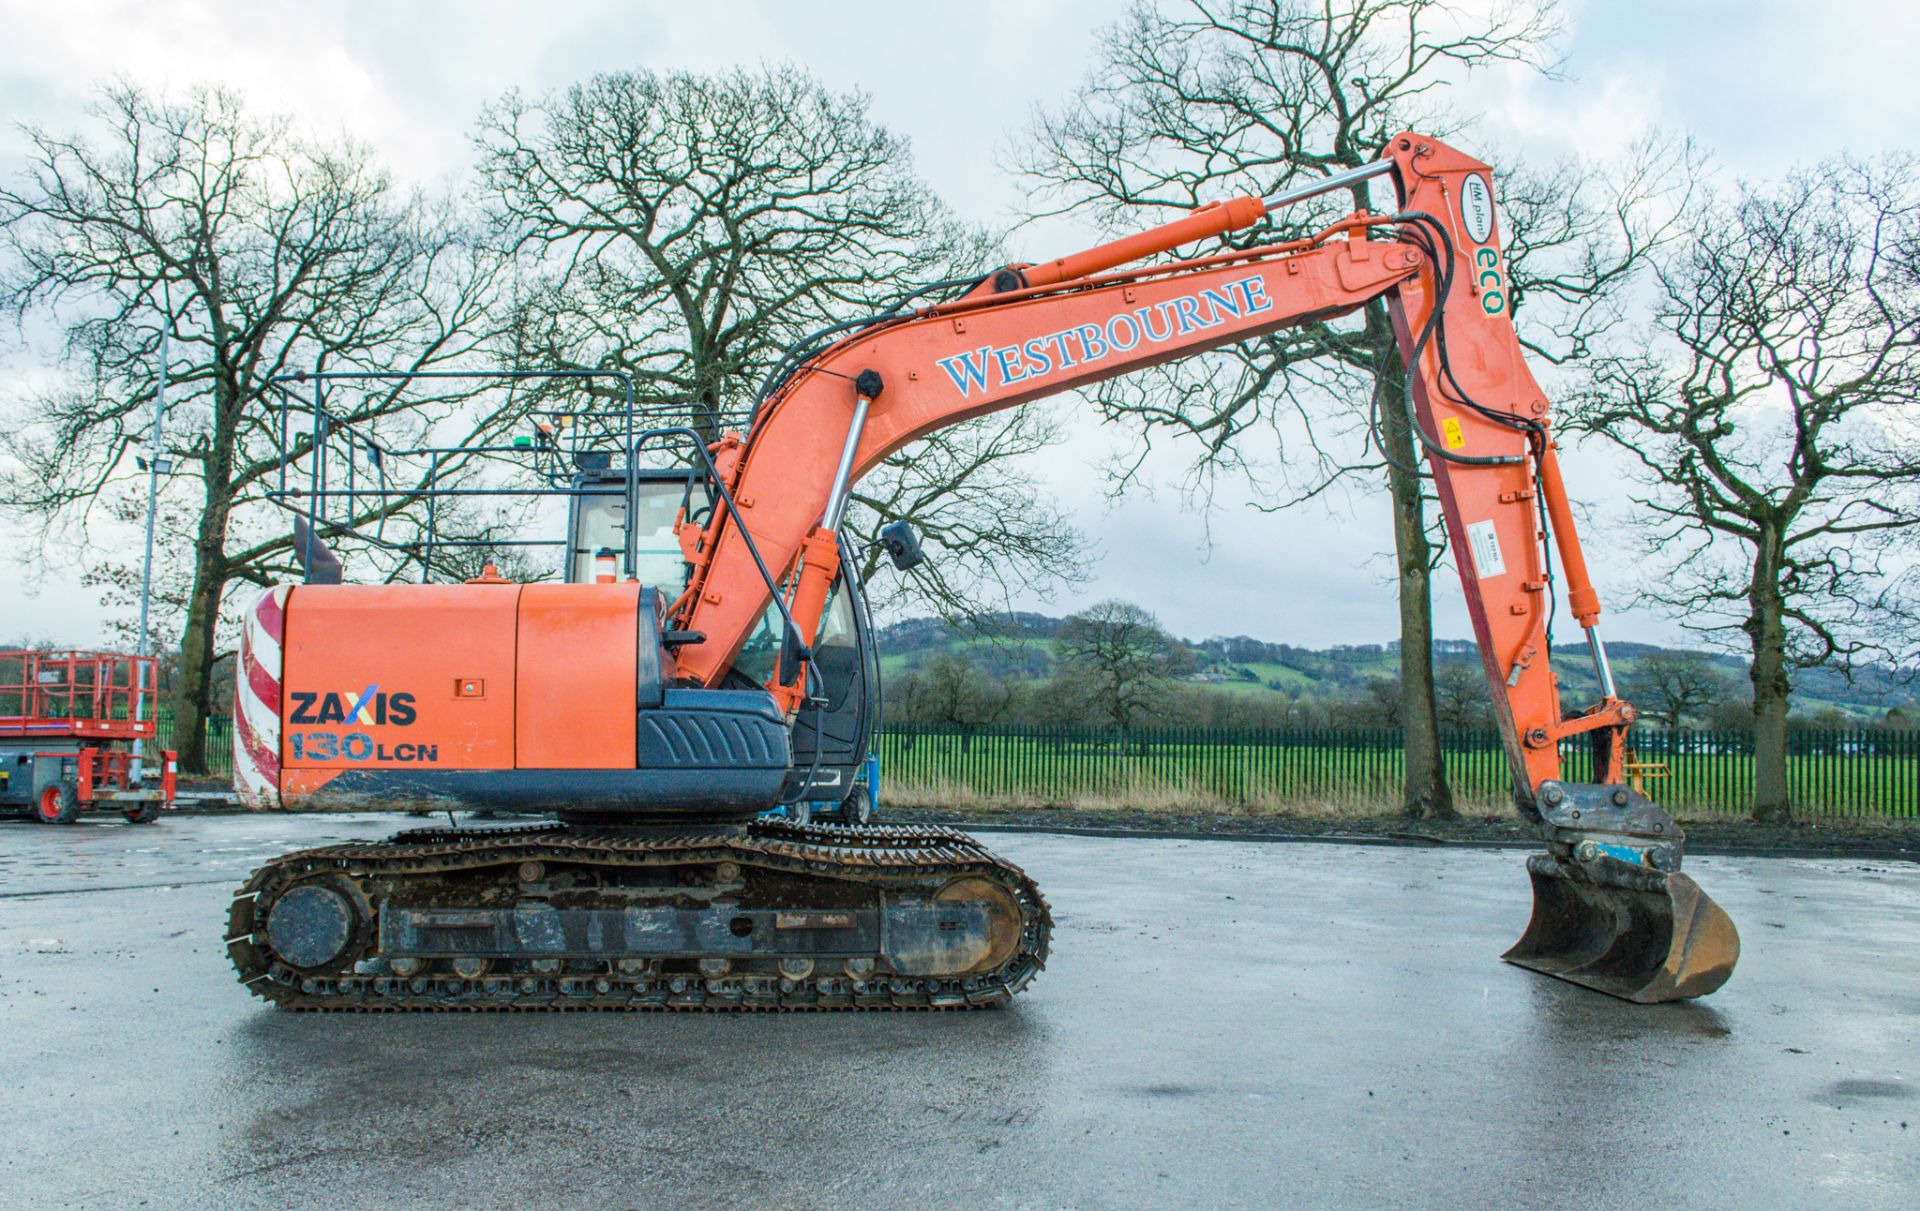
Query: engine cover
[(523, 698)]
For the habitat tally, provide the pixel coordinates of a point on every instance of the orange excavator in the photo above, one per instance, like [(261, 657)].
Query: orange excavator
[(708, 656)]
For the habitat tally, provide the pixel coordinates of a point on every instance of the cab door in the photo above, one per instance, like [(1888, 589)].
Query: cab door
[(839, 731)]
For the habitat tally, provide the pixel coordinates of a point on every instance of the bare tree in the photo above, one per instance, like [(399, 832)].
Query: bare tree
[(951, 689), (1378, 704), (260, 252), (1677, 685), (1185, 107), (1769, 417), (966, 492), (1123, 658), (1460, 693), (692, 230)]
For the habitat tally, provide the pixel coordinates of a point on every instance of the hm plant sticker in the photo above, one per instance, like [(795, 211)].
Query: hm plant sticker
[(1476, 216)]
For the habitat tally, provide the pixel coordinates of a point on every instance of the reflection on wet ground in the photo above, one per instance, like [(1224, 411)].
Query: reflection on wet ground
[(1224, 1023)]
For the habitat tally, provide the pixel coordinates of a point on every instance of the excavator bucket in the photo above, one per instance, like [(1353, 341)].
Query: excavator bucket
[(1633, 933), (1611, 910)]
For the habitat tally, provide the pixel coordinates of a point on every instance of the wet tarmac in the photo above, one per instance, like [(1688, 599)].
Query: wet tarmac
[(1224, 1024)]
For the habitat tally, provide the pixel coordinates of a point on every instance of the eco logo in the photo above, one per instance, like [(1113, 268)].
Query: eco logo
[(1492, 283), (1476, 216)]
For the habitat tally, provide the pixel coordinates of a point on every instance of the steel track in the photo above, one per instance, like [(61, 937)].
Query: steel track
[(882, 857)]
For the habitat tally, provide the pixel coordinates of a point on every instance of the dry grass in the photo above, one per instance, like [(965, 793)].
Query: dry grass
[(1154, 798)]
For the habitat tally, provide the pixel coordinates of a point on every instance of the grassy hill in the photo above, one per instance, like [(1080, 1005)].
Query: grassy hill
[(1018, 647)]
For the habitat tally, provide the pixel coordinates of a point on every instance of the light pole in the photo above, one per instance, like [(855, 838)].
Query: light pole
[(155, 466)]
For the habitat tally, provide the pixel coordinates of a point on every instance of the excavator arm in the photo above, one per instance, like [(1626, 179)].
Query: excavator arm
[(1611, 909), (1483, 419)]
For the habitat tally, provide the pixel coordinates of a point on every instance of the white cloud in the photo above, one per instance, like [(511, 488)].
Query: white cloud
[(1766, 85)]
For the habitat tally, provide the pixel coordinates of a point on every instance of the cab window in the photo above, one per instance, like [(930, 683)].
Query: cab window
[(600, 522), (836, 652)]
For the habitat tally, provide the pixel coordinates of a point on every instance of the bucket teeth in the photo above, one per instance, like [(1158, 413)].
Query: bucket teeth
[(1631, 932)]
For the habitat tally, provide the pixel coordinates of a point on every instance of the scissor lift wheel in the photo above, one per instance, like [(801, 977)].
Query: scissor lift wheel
[(57, 804)]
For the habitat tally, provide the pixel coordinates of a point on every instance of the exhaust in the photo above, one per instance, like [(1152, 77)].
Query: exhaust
[(1611, 910)]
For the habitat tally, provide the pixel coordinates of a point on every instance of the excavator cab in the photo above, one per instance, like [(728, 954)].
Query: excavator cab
[(834, 727), (597, 509)]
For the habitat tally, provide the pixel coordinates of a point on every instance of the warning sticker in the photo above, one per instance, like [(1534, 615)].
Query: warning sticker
[(1486, 549), (1450, 431)]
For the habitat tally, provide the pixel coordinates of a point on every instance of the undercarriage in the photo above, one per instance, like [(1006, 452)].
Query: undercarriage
[(768, 915)]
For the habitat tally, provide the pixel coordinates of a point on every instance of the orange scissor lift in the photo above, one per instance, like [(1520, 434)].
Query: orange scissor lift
[(69, 724)]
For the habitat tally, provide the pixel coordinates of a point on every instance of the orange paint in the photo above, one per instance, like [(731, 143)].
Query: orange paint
[(398, 653), (298, 784), (1211, 220), (574, 676), (971, 365), (553, 665)]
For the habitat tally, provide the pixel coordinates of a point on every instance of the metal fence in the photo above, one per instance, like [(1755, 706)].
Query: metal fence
[(219, 741), (1829, 772)]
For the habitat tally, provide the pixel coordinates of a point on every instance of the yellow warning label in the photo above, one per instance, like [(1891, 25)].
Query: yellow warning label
[(1450, 430)]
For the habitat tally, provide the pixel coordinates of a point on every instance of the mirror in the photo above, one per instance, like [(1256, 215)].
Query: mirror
[(903, 546), (793, 655)]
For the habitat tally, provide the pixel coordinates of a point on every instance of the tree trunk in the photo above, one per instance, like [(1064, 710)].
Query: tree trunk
[(1766, 630), (706, 416), (1425, 794), (193, 689)]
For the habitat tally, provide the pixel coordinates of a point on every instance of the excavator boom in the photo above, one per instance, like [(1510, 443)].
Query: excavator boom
[(1487, 420)]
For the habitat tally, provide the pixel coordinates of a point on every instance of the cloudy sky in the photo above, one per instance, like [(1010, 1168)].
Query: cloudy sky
[(1763, 85)]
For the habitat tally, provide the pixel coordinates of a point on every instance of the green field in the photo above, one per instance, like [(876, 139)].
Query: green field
[(1836, 775)]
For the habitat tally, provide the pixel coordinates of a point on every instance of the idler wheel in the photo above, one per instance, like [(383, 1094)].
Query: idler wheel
[(1003, 918), (310, 926)]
